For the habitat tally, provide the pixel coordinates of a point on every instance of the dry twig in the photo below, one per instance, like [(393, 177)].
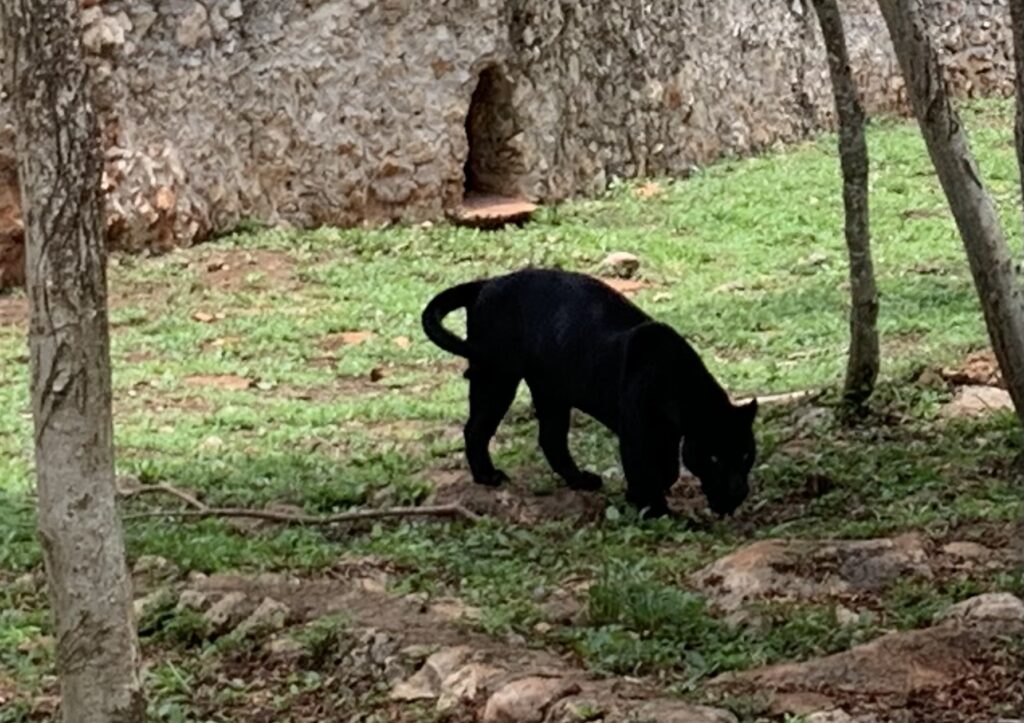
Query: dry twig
[(141, 489), (198, 510)]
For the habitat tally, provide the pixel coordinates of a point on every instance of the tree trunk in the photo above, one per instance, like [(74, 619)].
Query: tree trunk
[(975, 215), (1017, 23), (59, 167), (863, 360)]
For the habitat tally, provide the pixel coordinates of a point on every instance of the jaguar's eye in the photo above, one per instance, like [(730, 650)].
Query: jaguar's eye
[(714, 459)]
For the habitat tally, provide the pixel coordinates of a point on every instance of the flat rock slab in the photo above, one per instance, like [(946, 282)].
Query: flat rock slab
[(977, 400), (482, 686), (810, 569), (894, 667), (490, 211)]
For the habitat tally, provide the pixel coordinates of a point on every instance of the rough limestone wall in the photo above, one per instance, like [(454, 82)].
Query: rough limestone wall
[(302, 113), (624, 89), (345, 111), (631, 89), (973, 38)]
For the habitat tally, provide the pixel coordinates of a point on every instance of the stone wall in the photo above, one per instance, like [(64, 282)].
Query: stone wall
[(349, 111)]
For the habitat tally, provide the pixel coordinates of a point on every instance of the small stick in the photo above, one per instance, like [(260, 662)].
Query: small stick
[(166, 489), (453, 510)]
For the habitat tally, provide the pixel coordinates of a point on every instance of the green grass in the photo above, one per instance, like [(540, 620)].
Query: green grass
[(746, 259)]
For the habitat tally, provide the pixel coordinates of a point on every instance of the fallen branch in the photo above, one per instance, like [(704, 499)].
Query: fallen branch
[(783, 398), (166, 489), (292, 518)]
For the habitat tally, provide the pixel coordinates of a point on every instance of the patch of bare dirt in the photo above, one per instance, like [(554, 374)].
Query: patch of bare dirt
[(333, 342), (238, 269), (337, 388), (514, 502), (626, 287)]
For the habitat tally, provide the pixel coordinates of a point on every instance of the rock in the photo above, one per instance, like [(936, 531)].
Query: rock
[(426, 682), (561, 607), (465, 684), (193, 600), (750, 572), (284, 647), (967, 551), (888, 669), (622, 264), (676, 711), (526, 700), (836, 715), (193, 28), (575, 709), (875, 564), (814, 419), (24, 584), (975, 400), (804, 569), (802, 703), (417, 653), (233, 10), (155, 567), (269, 615), (992, 606), (107, 33), (845, 616), (147, 604), (448, 675), (227, 612)]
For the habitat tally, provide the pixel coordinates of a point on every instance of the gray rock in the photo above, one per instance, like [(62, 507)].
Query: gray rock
[(194, 600), (621, 264), (155, 567), (526, 700), (284, 647), (992, 606), (808, 569), (227, 612), (837, 715), (193, 28), (268, 616), (676, 711), (974, 401)]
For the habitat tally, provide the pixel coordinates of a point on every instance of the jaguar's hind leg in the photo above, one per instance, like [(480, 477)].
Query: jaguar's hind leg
[(490, 395)]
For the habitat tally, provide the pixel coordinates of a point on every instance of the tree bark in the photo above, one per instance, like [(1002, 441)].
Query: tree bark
[(1017, 24), (976, 218), (59, 167), (863, 358)]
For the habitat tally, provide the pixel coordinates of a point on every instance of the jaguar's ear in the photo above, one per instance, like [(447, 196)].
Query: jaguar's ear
[(748, 411)]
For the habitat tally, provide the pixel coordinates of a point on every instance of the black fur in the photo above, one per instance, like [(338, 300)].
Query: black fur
[(578, 343)]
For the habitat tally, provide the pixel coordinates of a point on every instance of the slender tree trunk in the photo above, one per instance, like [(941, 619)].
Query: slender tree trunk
[(975, 215), (863, 360), (1017, 23), (59, 167)]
